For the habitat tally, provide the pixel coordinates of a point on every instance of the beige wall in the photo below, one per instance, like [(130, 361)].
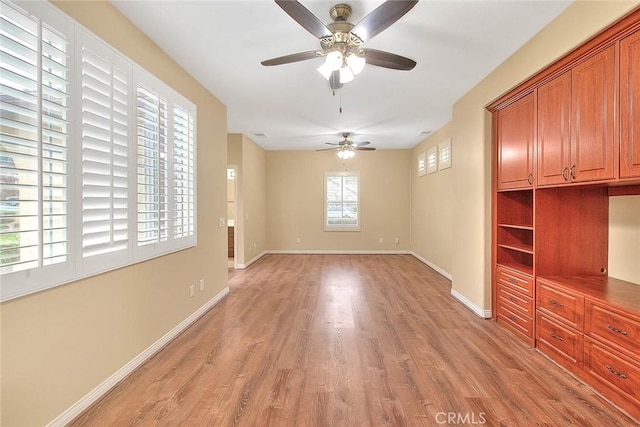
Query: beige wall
[(624, 238), (57, 345), (432, 206), (295, 202), (471, 130), (250, 227)]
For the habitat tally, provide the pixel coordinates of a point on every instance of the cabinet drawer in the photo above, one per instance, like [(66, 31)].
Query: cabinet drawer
[(560, 342), (555, 302), (615, 371), (614, 328), (515, 280), (508, 296), (516, 320)]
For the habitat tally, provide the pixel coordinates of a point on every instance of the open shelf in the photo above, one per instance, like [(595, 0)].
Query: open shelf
[(516, 226), (519, 248)]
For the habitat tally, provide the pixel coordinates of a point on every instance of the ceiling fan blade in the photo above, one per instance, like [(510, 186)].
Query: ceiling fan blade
[(382, 17), (304, 17), (328, 149), (361, 143), (363, 148), (294, 57), (380, 58)]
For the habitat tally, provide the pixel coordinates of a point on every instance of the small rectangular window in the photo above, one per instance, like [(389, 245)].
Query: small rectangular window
[(342, 201)]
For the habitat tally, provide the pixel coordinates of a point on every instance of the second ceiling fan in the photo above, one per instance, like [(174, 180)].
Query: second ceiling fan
[(341, 41)]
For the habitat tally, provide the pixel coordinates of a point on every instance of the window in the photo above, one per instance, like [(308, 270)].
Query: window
[(69, 209), (342, 201)]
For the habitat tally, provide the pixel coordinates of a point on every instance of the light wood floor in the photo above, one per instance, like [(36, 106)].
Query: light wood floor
[(359, 340)]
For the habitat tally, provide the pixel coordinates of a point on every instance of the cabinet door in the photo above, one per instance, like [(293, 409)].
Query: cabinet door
[(516, 136), (630, 106), (592, 109), (554, 99)]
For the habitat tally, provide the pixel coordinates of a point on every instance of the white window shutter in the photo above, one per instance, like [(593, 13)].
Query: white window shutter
[(105, 140), (183, 172)]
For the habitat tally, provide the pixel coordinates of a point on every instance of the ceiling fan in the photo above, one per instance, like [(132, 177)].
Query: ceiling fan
[(341, 41), (346, 148)]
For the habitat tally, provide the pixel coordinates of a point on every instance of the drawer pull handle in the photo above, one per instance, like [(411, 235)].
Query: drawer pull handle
[(614, 329), (512, 281), (513, 299), (556, 337), (556, 303), (512, 318), (614, 372)]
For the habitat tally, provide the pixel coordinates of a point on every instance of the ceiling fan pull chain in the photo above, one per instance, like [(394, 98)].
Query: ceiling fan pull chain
[(340, 102)]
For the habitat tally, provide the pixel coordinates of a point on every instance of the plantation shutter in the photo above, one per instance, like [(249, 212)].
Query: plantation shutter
[(183, 172), (35, 142), (153, 180), (104, 105)]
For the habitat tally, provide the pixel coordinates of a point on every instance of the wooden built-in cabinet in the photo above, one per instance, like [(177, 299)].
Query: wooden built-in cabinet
[(516, 130), (591, 327), (630, 106), (564, 142), (576, 140)]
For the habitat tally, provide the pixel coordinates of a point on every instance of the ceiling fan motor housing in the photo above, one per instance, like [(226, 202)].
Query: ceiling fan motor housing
[(340, 12)]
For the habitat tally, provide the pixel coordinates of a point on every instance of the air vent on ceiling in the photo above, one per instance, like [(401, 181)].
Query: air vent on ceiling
[(260, 135), (425, 133)]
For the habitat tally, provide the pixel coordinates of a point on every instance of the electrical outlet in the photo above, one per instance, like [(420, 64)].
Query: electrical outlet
[(381, 240), (202, 284), (397, 241), (222, 222), (192, 290)]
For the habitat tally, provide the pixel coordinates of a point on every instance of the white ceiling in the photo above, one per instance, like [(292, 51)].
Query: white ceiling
[(221, 43)]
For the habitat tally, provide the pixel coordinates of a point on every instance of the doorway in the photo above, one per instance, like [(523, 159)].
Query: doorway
[(231, 216)]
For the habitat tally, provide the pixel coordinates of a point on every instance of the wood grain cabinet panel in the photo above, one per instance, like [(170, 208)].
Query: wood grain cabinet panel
[(515, 280), (515, 143), (614, 328), (563, 305), (593, 118), (560, 342), (630, 106), (508, 296), (617, 375), (554, 155)]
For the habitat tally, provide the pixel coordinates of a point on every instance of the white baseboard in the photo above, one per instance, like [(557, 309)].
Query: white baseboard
[(485, 314), (338, 252), (442, 272), (77, 408), (251, 261)]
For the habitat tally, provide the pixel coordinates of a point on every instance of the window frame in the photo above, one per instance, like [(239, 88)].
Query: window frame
[(342, 227), (79, 265)]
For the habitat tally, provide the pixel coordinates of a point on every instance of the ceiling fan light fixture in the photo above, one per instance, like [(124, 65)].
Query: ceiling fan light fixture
[(356, 63), (326, 70), (334, 60), (346, 153), (346, 75)]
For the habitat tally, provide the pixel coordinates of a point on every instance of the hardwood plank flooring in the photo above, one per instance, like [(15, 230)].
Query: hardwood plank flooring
[(358, 340)]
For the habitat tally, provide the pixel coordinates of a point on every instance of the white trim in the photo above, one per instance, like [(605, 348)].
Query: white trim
[(338, 252), (251, 261), (442, 272), (95, 394), (485, 314)]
